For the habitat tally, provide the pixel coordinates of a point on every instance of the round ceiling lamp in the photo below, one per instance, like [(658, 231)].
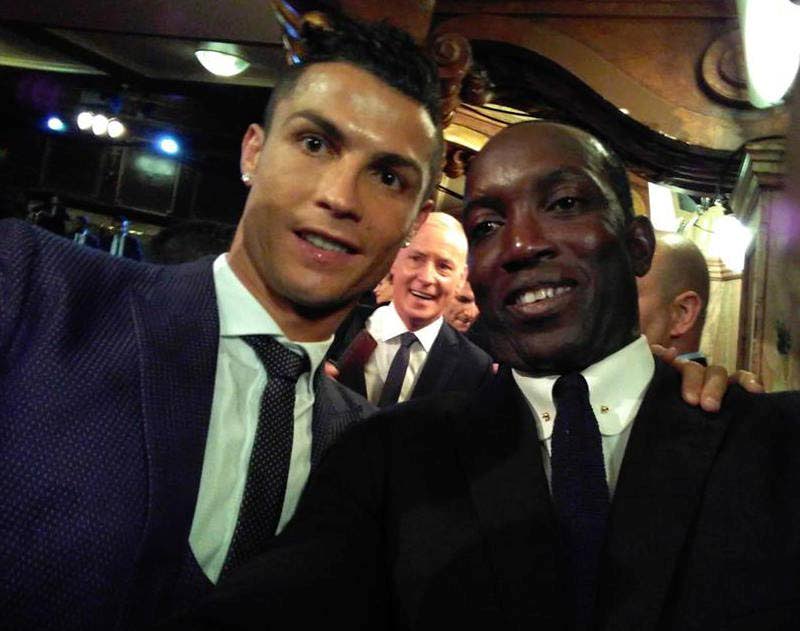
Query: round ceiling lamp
[(220, 63)]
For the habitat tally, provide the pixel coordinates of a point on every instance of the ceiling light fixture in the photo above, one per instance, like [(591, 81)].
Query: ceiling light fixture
[(220, 63), (116, 128), (84, 120), (168, 144), (54, 123), (771, 48), (99, 125)]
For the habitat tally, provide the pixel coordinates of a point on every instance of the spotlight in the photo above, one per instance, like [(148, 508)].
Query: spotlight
[(168, 145), (54, 123), (221, 64), (99, 125), (84, 120), (116, 128)]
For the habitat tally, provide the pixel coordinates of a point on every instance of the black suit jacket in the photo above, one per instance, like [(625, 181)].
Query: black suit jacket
[(454, 364), (437, 514)]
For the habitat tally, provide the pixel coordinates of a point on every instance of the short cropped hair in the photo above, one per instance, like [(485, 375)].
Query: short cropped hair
[(379, 48)]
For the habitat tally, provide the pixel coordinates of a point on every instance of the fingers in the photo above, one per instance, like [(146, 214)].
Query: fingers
[(669, 355), (714, 387), (748, 380), (331, 370), (692, 375)]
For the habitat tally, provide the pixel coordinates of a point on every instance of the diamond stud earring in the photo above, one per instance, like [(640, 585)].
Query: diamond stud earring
[(247, 178)]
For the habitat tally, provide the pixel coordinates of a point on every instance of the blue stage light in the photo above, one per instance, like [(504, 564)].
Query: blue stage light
[(168, 145), (54, 123)]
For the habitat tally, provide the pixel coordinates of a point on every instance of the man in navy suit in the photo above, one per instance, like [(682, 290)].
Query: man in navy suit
[(131, 394), (577, 490), (425, 276)]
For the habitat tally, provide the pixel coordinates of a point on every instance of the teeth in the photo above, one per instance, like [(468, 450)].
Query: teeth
[(535, 295), (324, 244), (419, 294)]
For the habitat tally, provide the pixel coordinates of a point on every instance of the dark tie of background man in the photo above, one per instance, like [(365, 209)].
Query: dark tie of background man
[(397, 371), (580, 494), (268, 469)]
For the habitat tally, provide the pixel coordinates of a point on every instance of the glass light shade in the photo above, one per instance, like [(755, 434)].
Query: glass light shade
[(99, 125), (84, 120), (116, 128), (221, 64), (730, 242), (54, 123), (771, 48)]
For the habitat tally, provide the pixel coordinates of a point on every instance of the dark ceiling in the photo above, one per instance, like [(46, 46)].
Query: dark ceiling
[(137, 60)]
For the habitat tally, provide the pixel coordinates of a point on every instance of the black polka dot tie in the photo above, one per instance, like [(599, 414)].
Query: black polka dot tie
[(268, 469), (397, 371)]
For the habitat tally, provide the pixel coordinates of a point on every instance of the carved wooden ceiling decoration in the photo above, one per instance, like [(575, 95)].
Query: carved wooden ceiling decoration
[(532, 83)]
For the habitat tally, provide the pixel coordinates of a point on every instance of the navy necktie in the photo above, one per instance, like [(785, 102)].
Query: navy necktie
[(397, 371), (580, 495), (268, 469)]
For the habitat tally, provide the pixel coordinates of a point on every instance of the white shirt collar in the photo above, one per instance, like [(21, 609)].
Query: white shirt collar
[(241, 314), (617, 385), (385, 323)]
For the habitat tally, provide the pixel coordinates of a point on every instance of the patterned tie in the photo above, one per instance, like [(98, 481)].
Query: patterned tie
[(272, 448), (580, 494), (397, 371)]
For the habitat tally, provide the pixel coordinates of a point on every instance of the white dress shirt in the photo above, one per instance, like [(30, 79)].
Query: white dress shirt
[(386, 327), (617, 385), (239, 383)]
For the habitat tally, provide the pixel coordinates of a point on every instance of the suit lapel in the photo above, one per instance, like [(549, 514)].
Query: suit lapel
[(501, 455), (177, 328), (440, 363), (669, 455)]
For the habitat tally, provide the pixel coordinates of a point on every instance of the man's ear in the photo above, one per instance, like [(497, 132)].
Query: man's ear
[(641, 243), (252, 143), (684, 311)]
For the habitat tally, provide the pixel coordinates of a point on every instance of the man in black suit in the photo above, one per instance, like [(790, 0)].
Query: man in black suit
[(513, 507), (435, 358)]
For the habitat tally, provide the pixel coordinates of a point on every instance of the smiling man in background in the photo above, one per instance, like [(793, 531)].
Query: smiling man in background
[(407, 349)]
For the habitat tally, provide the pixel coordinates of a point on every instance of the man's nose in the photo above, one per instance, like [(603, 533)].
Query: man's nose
[(427, 272), (337, 189), (527, 242)]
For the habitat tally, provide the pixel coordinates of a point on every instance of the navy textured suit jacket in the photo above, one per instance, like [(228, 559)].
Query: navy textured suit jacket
[(107, 371)]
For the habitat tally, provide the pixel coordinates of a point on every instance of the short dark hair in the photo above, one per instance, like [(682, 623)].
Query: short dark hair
[(378, 48)]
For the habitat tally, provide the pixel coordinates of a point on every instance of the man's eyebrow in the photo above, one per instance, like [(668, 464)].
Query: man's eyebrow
[(387, 159), (486, 201), (566, 174), (327, 127)]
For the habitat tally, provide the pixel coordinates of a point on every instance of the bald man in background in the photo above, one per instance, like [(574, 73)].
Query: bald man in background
[(673, 296), (406, 348)]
